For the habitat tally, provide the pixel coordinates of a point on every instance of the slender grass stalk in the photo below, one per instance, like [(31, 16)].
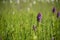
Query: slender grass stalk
[(37, 33), (24, 34), (30, 27)]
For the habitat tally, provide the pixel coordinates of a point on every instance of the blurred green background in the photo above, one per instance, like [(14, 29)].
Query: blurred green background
[(17, 18)]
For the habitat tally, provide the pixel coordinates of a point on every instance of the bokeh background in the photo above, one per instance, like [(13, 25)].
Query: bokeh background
[(17, 18)]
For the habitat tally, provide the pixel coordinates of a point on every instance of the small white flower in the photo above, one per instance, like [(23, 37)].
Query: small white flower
[(28, 9), (11, 1), (18, 1), (34, 2), (13, 12), (52, 1)]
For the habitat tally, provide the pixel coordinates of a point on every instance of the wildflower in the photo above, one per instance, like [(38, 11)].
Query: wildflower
[(39, 16), (54, 9), (58, 14)]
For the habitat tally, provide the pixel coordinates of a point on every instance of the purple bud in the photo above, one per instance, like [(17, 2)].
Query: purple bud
[(58, 14), (39, 16), (34, 27), (54, 9)]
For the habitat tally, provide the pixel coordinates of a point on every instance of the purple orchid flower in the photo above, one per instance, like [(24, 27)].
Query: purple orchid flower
[(39, 16), (58, 14), (54, 9)]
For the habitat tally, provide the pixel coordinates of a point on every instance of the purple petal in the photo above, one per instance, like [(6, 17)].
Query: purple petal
[(58, 14), (54, 9), (39, 16)]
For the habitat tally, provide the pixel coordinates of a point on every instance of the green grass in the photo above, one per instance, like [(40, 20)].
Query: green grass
[(19, 26)]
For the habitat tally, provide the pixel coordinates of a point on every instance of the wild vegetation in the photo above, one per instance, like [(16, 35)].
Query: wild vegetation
[(29, 20)]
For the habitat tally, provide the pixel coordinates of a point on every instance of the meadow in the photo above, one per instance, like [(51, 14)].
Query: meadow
[(18, 20)]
